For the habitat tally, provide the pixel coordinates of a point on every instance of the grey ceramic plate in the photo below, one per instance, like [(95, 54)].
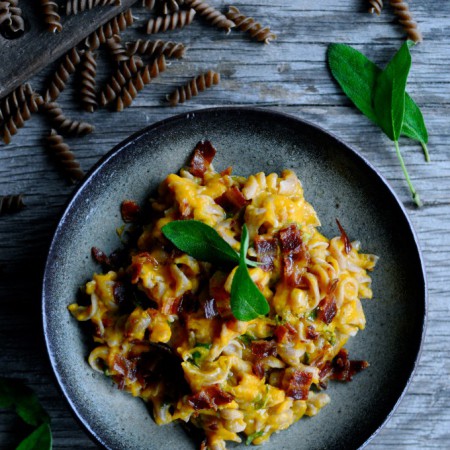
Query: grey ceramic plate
[(337, 181)]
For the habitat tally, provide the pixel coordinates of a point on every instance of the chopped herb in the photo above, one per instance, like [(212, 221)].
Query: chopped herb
[(253, 436), (306, 358), (262, 401), (312, 315), (200, 344), (279, 320), (246, 339)]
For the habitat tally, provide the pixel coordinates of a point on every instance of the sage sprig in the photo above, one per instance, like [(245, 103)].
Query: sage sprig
[(205, 244), (381, 95)]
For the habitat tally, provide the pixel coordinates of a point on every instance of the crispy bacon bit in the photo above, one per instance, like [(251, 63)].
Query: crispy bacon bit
[(100, 257), (296, 383), (282, 331), (119, 292), (266, 251), (291, 239), (201, 160), (327, 309), (262, 349), (124, 367), (210, 308), (130, 211), (210, 398), (325, 371), (228, 171), (232, 199), (332, 286), (344, 238), (258, 370), (311, 333), (344, 369)]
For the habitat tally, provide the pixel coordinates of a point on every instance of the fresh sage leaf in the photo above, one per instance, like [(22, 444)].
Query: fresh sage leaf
[(39, 439), (389, 94), (247, 302), (200, 241), (414, 125)]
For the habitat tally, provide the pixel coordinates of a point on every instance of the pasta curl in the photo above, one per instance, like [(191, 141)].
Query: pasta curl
[(376, 6), (11, 203), (76, 6), (116, 49), (51, 16), (402, 11), (65, 125), (12, 24), (178, 19), (12, 102), (211, 14), (156, 48), (88, 91)]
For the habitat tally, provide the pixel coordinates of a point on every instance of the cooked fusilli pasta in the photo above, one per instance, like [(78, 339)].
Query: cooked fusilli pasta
[(136, 84), (116, 49), (11, 203), (375, 6), (64, 157), (65, 69), (178, 19), (211, 14), (402, 11), (104, 32), (156, 48), (196, 85), (52, 18), (251, 26), (88, 91), (65, 125), (76, 6)]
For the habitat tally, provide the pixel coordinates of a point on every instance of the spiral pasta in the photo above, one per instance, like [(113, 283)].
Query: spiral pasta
[(12, 102), (170, 6), (250, 25), (149, 4), (65, 125), (76, 6), (12, 24), (115, 84), (136, 84), (178, 19), (196, 85), (51, 16), (11, 203), (104, 32), (116, 49), (169, 49), (64, 157), (376, 6), (62, 74), (402, 11), (88, 91), (211, 14)]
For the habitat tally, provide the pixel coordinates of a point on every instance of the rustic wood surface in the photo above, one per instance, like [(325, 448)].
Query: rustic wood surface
[(289, 75)]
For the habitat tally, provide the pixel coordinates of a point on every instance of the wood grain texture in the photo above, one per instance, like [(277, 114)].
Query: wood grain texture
[(289, 75)]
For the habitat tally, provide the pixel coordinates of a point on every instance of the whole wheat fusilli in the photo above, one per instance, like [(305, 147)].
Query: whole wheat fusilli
[(12, 24), (211, 14), (11, 203), (178, 19), (116, 49), (156, 48), (76, 6), (402, 11), (52, 18), (88, 91), (376, 6), (13, 102), (65, 125)]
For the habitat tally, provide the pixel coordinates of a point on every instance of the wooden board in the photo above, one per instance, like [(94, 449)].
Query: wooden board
[(21, 58)]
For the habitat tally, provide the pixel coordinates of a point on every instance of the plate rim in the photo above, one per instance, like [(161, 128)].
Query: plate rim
[(191, 115)]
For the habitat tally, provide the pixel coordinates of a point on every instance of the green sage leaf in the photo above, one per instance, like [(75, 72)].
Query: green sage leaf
[(200, 241), (39, 439)]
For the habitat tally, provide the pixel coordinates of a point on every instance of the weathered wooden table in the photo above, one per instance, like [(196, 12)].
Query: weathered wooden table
[(289, 75)]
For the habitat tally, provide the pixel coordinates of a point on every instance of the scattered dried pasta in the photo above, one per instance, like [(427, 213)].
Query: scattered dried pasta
[(402, 11), (11, 203), (66, 126), (149, 4), (178, 19), (376, 6), (196, 85), (251, 26), (104, 32), (62, 74), (63, 156), (88, 91), (170, 6), (156, 48), (52, 18), (116, 49), (12, 24), (12, 102), (211, 14), (136, 84), (76, 6)]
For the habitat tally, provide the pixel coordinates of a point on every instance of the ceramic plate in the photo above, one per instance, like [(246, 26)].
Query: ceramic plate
[(337, 181)]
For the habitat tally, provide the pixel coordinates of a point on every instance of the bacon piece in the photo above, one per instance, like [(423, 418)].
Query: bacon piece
[(232, 199), (258, 369), (210, 308), (228, 171), (138, 262), (124, 367), (201, 160), (343, 369), (327, 309), (296, 383), (311, 333), (282, 331), (130, 211), (262, 349), (210, 398), (100, 257), (220, 295), (266, 251), (290, 239), (344, 238)]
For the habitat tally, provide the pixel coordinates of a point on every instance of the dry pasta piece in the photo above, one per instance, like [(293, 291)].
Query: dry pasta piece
[(178, 19), (76, 6), (376, 6), (12, 102), (59, 79), (401, 10), (149, 4), (196, 85), (11, 203), (169, 49), (211, 14), (12, 24), (104, 32), (5, 13), (136, 84), (52, 18), (21, 115), (88, 91), (170, 6), (251, 26), (116, 49), (65, 125), (119, 79), (64, 157)]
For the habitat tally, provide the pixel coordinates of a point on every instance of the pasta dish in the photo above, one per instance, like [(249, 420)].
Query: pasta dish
[(186, 334)]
